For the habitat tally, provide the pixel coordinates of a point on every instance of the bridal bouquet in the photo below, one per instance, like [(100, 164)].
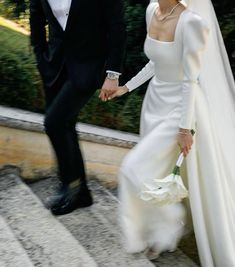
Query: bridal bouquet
[(168, 190)]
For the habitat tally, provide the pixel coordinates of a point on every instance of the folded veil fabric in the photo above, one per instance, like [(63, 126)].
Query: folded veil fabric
[(216, 79)]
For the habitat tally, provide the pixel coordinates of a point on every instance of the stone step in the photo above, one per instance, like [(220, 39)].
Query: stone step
[(103, 232), (45, 240), (95, 231), (107, 206), (12, 253)]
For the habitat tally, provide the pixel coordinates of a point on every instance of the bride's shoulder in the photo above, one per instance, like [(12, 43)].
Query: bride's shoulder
[(195, 30), (193, 20)]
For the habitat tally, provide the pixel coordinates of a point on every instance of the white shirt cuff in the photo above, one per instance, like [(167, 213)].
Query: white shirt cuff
[(110, 71)]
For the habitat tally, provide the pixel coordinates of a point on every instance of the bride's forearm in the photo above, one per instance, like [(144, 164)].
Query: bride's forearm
[(144, 75)]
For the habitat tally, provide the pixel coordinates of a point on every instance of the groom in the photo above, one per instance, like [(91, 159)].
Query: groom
[(85, 39)]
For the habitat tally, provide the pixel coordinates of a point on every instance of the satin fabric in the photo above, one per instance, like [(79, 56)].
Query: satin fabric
[(174, 99)]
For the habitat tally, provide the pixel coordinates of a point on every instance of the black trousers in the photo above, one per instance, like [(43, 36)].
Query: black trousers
[(64, 100)]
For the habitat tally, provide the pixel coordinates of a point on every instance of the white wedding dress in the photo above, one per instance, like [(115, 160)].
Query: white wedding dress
[(174, 99)]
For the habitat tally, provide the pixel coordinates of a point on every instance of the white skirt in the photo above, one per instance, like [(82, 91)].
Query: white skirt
[(212, 205)]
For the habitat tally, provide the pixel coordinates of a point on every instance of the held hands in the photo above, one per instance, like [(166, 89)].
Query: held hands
[(110, 90), (185, 141), (120, 90)]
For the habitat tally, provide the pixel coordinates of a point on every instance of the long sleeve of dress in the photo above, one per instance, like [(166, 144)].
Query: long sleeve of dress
[(148, 70), (143, 76), (195, 35)]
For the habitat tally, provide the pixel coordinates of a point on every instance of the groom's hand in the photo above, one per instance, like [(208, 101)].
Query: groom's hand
[(108, 88)]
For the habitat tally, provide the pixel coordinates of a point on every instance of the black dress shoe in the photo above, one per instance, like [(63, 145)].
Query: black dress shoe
[(74, 197), (55, 200)]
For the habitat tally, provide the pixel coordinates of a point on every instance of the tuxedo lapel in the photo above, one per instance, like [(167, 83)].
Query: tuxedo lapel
[(73, 12), (50, 14)]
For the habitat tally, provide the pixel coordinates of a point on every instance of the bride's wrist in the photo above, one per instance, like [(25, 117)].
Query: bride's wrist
[(125, 88)]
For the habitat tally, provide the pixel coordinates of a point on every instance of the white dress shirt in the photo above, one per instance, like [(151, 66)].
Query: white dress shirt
[(60, 9)]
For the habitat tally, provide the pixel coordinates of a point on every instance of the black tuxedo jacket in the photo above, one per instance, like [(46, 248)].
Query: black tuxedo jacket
[(95, 31)]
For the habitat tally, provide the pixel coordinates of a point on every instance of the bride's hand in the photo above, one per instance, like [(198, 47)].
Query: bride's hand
[(185, 141), (121, 90)]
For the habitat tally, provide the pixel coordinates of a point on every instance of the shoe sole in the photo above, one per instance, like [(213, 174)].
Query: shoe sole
[(67, 210)]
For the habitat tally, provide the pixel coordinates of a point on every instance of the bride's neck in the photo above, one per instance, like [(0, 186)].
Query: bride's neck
[(166, 5)]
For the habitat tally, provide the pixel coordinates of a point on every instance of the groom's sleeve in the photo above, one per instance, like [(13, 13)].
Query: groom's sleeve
[(114, 17), (37, 27)]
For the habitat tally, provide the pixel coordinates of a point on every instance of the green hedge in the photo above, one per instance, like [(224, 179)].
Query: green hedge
[(20, 85), (121, 113)]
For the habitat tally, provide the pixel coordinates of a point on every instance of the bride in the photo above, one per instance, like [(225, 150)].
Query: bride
[(191, 87)]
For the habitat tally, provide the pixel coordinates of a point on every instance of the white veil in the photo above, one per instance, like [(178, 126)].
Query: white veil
[(216, 247), (217, 81), (210, 165)]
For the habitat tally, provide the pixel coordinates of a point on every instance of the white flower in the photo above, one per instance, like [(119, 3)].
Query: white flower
[(164, 191)]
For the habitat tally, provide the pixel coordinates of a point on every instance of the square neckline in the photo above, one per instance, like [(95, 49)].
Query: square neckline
[(176, 28)]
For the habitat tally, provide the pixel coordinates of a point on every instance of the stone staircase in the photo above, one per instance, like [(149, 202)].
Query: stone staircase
[(31, 236)]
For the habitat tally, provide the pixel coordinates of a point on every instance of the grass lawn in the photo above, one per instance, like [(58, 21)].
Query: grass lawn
[(13, 39), (12, 25)]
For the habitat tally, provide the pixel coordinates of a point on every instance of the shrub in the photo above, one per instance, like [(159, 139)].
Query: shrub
[(20, 84), (121, 113)]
